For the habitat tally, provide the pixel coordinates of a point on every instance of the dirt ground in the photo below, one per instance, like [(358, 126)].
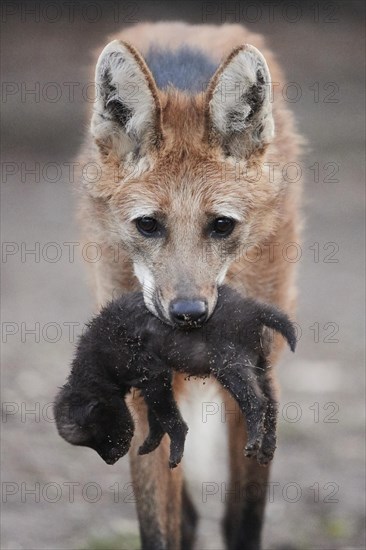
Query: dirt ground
[(55, 496)]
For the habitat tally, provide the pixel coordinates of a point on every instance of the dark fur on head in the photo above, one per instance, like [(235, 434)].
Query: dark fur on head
[(101, 421), (125, 346)]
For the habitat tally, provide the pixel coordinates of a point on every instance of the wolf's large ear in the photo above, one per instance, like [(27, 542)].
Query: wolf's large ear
[(238, 104), (127, 113)]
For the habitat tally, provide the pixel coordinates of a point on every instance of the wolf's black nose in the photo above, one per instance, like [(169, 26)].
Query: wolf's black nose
[(187, 312)]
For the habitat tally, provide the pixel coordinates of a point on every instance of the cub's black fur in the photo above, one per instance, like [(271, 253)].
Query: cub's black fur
[(125, 346)]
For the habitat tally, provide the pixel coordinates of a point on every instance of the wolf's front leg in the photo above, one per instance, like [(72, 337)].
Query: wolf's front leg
[(244, 515), (160, 400), (156, 488)]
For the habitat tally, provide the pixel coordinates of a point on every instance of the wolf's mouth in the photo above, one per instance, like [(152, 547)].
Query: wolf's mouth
[(159, 310)]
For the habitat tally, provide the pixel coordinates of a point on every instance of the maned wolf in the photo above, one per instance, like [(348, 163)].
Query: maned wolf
[(125, 347), (191, 191)]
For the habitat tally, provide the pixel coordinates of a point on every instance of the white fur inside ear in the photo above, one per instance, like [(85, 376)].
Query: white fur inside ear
[(124, 106), (241, 100)]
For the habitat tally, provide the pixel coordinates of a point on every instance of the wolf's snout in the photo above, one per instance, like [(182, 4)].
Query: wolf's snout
[(187, 312)]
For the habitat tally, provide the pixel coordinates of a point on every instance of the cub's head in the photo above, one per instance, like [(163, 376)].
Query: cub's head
[(181, 186), (104, 424)]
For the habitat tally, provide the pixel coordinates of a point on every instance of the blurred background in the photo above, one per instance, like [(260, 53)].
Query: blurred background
[(57, 496)]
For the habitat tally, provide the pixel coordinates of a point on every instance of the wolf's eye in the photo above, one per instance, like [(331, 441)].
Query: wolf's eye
[(147, 226), (222, 227)]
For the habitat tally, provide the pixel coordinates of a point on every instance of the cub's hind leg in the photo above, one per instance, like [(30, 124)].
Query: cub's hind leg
[(159, 397)]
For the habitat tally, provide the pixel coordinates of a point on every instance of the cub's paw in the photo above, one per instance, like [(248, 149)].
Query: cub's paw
[(150, 444), (266, 451), (260, 449), (176, 455), (251, 448), (264, 456), (177, 445)]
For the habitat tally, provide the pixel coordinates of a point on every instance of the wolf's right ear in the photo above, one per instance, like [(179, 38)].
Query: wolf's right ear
[(127, 112)]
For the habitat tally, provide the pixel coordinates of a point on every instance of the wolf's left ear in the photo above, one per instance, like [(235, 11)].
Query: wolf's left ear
[(127, 112), (238, 104)]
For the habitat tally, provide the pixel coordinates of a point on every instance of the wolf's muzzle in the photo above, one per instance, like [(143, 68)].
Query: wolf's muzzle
[(188, 312)]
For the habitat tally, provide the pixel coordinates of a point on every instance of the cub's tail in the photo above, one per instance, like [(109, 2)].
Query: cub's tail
[(276, 319)]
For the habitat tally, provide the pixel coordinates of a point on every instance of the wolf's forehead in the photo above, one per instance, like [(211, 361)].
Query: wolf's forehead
[(187, 69), (186, 200)]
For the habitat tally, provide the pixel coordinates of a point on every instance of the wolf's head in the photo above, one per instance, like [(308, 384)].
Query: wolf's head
[(182, 185)]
